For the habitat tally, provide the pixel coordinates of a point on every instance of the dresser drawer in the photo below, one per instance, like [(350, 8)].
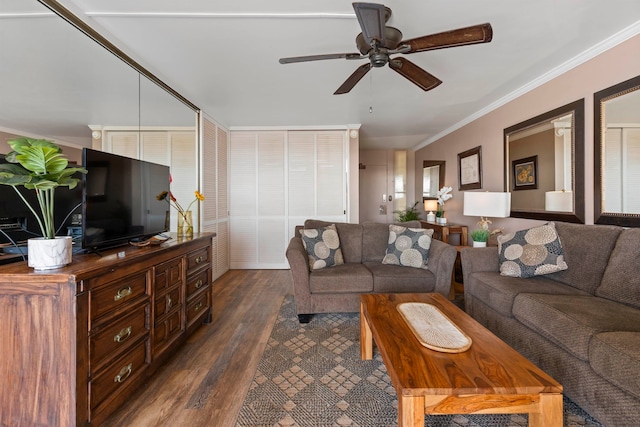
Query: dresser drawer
[(198, 259), (118, 294), (167, 330), (119, 374), (167, 275), (197, 282), (198, 307), (118, 335), (167, 302)]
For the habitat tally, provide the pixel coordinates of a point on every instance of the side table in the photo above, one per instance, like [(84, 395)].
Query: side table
[(443, 231)]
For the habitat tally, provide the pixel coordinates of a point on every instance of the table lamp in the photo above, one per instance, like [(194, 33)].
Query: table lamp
[(558, 201), (431, 205), (487, 204)]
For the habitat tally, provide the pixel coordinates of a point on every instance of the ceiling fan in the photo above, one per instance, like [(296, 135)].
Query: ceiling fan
[(377, 42)]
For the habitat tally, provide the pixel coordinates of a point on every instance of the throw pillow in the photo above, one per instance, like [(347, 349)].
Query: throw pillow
[(533, 252), (408, 247), (322, 246)]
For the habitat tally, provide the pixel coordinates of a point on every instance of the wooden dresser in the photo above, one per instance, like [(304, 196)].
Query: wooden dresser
[(78, 341)]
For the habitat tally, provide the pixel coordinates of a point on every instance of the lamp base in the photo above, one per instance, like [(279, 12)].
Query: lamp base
[(431, 217)]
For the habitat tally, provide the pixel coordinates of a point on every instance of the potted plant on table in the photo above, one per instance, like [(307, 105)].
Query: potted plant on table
[(443, 195), (480, 237), (39, 165), (409, 214)]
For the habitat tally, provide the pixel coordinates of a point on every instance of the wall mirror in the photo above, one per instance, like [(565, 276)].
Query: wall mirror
[(617, 154), (544, 165), (432, 178), (56, 81)]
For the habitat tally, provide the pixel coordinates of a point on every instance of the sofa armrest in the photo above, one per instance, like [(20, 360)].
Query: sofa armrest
[(299, 264), (442, 257), (478, 259)]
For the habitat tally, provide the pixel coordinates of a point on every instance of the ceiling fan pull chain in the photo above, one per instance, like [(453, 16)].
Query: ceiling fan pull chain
[(371, 93)]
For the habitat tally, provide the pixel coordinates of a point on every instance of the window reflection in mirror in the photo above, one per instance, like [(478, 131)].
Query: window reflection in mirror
[(544, 165), (617, 154), (432, 177)]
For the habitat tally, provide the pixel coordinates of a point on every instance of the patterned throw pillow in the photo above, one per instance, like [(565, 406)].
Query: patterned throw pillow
[(322, 246), (533, 252), (408, 247)]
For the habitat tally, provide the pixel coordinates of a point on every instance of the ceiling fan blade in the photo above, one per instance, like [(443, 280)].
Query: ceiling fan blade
[(371, 18), (293, 59), (413, 73), (353, 79), (482, 33)]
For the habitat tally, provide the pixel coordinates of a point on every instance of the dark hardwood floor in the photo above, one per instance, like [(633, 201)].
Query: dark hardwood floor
[(205, 382)]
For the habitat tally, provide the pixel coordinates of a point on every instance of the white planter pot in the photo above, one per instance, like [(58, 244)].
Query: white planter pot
[(479, 244), (47, 254), (441, 220)]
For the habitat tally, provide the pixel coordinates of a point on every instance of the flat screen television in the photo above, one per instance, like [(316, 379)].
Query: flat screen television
[(120, 199)]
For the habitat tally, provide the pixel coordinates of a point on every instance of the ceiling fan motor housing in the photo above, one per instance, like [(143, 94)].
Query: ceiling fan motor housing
[(379, 59)]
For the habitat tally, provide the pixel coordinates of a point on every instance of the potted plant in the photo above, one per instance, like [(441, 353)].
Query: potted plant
[(409, 214), (39, 165), (443, 195), (480, 237)]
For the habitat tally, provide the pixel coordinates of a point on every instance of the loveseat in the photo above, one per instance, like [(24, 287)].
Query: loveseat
[(581, 325), (363, 246)]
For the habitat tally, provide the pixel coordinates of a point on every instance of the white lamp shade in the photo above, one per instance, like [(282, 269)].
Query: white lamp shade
[(558, 201), (487, 204), (430, 205)]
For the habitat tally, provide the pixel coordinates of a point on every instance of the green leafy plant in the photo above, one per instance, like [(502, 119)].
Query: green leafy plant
[(39, 165), (409, 214), (480, 235)]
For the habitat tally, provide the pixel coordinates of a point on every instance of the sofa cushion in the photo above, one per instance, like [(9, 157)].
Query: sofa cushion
[(621, 281), (499, 292), (375, 239), (322, 246), (586, 250), (350, 238), (408, 247), (533, 252), (345, 278), (570, 321), (616, 357), (388, 278)]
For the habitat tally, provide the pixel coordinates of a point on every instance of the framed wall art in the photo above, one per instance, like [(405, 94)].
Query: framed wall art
[(525, 173), (470, 169)]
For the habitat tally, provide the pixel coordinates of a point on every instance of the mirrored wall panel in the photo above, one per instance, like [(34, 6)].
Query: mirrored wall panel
[(544, 165)]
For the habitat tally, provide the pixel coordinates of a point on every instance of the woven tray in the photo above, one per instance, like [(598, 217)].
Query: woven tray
[(433, 329)]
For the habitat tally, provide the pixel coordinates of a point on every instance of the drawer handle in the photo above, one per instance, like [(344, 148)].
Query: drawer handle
[(198, 306), (122, 293), (123, 334), (199, 259), (199, 284), (169, 302), (124, 373)]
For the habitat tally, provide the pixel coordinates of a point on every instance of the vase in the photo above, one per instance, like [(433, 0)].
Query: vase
[(47, 254), (441, 220), (185, 224)]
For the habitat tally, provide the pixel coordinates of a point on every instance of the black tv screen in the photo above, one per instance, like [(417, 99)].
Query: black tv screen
[(120, 199)]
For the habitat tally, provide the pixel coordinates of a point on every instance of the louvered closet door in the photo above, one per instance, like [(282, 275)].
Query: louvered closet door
[(222, 238), (123, 144), (243, 199), (184, 172), (154, 147), (331, 183), (271, 199)]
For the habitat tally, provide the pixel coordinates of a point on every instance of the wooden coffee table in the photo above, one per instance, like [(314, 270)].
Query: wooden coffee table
[(488, 378)]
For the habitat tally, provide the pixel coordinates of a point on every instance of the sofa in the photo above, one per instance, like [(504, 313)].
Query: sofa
[(338, 288), (581, 325)]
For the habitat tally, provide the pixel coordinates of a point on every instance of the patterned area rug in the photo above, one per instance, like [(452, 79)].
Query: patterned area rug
[(312, 375)]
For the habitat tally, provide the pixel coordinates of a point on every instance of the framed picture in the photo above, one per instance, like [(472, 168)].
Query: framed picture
[(525, 173), (470, 169)]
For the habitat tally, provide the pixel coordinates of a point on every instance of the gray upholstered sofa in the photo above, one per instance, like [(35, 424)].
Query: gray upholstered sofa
[(338, 288), (580, 325)]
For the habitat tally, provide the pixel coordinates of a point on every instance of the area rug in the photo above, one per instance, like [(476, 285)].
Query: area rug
[(312, 375)]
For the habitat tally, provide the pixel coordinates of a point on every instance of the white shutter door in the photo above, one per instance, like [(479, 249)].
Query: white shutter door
[(154, 147), (209, 171), (123, 144), (184, 173), (271, 199), (301, 169), (243, 199), (331, 185), (223, 259)]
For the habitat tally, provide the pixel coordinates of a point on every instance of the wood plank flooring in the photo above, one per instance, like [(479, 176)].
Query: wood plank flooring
[(205, 382)]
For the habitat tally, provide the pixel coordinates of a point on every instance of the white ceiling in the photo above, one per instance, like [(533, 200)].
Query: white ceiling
[(223, 57)]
